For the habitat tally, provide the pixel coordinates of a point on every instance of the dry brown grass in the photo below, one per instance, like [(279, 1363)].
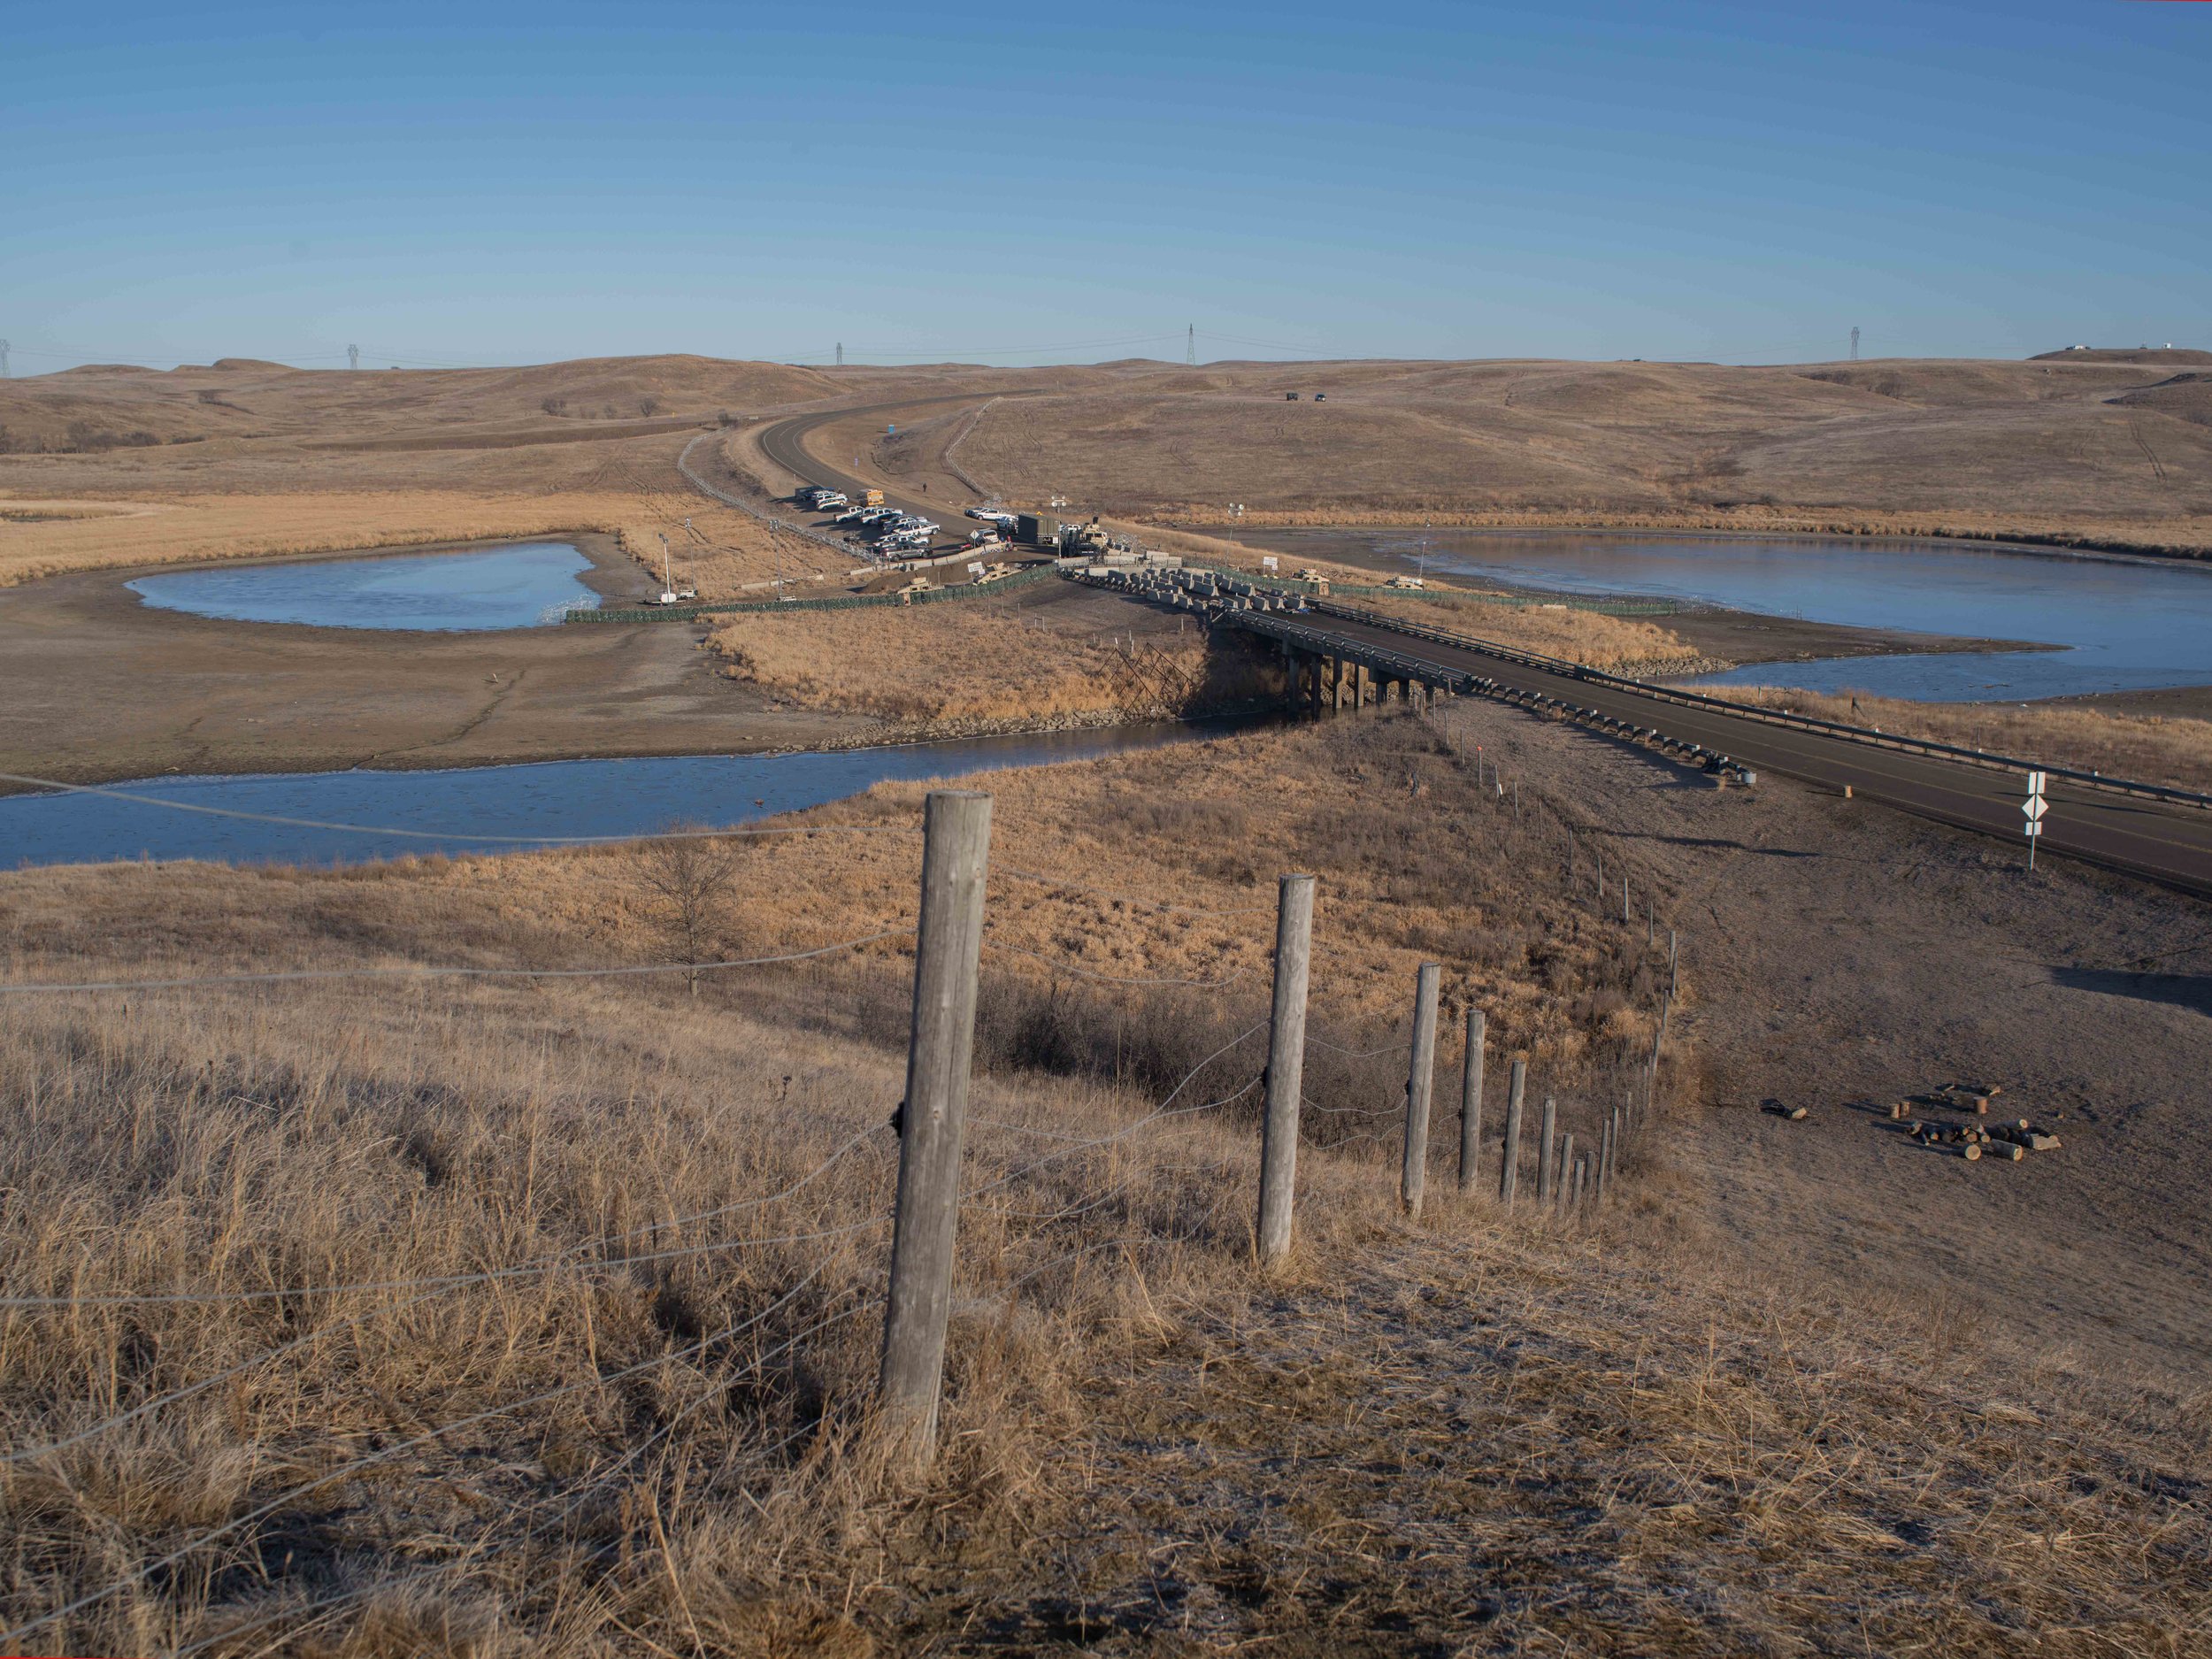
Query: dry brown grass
[(1481, 1430), (2152, 747), (976, 660), (87, 534), (2067, 452), (1895, 446), (1624, 644)]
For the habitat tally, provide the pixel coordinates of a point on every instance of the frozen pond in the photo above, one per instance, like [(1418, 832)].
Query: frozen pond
[(501, 588)]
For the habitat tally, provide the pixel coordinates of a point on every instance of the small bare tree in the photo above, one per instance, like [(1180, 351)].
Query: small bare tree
[(689, 876)]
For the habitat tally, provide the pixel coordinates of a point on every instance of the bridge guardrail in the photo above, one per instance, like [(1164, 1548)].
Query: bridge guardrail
[(1652, 606), (1769, 717)]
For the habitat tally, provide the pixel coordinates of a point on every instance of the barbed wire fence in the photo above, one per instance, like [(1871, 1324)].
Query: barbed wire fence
[(915, 1289)]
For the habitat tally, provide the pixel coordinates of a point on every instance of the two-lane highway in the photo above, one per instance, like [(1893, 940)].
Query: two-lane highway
[(2170, 842)]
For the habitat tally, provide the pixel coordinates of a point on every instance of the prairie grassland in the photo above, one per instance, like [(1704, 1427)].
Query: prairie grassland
[(983, 661), (58, 535), (2183, 536), (545, 1309), (980, 660), (2152, 747), (1624, 644)]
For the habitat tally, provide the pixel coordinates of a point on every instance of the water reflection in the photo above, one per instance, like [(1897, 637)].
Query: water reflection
[(501, 588)]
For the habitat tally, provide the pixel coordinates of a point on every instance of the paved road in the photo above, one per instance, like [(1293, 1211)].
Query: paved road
[(784, 443), (2171, 843)]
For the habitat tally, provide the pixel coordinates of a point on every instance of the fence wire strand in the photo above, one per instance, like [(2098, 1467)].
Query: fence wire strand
[(398, 832), (386, 1454), (437, 970)]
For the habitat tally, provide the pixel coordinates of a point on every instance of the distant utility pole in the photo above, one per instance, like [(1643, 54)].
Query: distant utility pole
[(1855, 342), (3, 359), (1190, 347), (841, 354), (353, 357)]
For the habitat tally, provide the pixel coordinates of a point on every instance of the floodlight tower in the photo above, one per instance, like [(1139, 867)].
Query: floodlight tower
[(353, 357), (1855, 342)]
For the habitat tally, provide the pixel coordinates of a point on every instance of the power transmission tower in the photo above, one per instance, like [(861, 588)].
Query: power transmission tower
[(1190, 348), (841, 354), (1855, 342), (3, 359), (353, 357)]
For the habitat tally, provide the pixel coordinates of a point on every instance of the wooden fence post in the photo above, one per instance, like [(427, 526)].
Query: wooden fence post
[(1420, 1081), (1471, 1100), (1547, 1152), (1286, 1064), (1510, 1158), (1605, 1155), (955, 852), (1563, 1195)]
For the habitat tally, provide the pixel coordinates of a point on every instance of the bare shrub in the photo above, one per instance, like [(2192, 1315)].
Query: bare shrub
[(689, 876)]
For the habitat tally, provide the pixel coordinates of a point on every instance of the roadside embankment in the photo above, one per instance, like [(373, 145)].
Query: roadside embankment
[(2169, 748), (1047, 653)]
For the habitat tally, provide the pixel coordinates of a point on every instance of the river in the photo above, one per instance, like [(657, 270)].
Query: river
[(500, 809), (2122, 624)]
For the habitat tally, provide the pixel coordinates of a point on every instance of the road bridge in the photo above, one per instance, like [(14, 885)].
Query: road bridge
[(1343, 657)]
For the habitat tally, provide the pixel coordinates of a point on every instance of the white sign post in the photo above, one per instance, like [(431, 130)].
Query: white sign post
[(2034, 807), (1267, 562)]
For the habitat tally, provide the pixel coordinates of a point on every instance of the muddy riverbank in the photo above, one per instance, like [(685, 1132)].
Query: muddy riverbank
[(95, 686)]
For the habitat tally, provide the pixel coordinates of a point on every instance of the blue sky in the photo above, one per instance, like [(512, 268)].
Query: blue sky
[(1023, 183)]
